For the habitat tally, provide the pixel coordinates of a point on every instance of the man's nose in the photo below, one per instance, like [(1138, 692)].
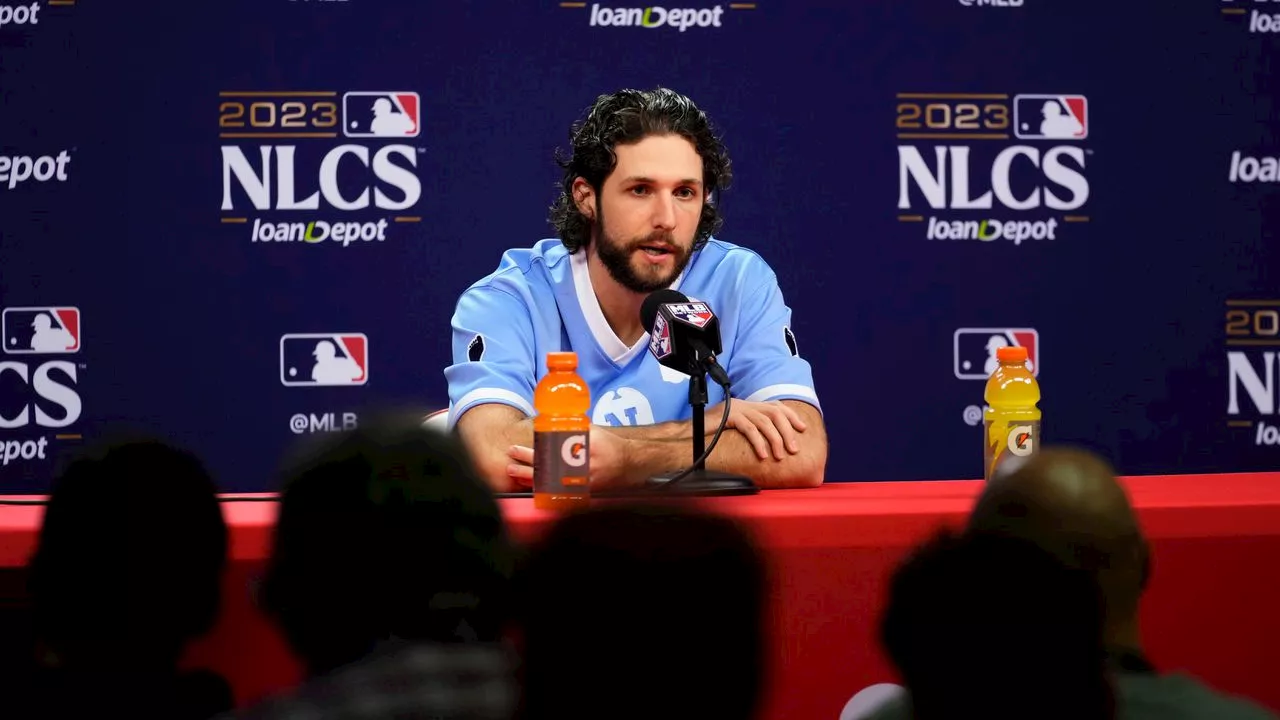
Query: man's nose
[(664, 214)]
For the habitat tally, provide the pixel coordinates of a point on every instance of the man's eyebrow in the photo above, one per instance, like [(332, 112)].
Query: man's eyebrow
[(643, 179)]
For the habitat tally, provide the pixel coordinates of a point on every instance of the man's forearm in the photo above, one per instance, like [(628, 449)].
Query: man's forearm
[(649, 450), (488, 445), (665, 447), (732, 454)]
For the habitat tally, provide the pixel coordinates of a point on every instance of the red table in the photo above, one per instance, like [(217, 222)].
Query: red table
[(1211, 608)]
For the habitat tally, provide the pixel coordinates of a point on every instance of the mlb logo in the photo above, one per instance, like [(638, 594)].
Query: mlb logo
[(975, 350), (324, 359), (380, 114), (660, 338), (695, 314), (40, 330), (1050, 117)]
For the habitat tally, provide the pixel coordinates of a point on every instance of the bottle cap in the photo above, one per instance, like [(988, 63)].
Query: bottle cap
[(1014, 354), (562, 361)]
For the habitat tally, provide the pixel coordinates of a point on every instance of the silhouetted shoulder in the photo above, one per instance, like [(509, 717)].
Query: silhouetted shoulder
[(1176, 695)]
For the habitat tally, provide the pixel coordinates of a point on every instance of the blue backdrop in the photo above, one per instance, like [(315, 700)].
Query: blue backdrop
[(864, 136)]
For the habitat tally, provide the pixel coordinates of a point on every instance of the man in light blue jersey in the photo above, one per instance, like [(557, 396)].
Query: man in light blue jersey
[(634, 216)]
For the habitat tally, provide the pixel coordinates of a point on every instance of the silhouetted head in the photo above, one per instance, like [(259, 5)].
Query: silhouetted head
[(1069, 502), (129, 563), (642, 172), (994, 627), (644, 612), (386, 533)]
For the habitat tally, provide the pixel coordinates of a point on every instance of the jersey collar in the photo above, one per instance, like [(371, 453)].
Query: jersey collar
[(604, 335)]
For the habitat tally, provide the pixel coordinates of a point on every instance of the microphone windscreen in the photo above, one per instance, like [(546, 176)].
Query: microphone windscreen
[(649, 310)]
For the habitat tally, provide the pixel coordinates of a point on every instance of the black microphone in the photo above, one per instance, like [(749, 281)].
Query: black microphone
[(683, 335)]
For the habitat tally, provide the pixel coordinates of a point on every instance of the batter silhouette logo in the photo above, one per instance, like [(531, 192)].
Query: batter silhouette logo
[(40, 330), (324, 359), (381, 114), (475, 349), (696, 314), (975, 350), (1050, 117)]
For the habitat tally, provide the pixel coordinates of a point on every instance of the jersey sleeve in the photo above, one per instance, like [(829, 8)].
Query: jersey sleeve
[(493, 353), (766, 363)]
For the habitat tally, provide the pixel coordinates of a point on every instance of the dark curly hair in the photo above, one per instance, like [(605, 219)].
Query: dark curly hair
[(626, 117)]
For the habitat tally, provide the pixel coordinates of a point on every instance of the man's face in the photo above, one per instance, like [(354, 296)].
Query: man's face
[(647, 212)]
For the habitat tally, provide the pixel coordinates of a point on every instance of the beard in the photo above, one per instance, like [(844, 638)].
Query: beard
[(618, 257)]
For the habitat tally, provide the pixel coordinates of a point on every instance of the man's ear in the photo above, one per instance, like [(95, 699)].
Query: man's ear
[(584, 197)]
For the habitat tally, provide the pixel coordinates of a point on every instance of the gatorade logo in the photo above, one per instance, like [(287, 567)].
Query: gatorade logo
[(1021, 441), (574, 451)]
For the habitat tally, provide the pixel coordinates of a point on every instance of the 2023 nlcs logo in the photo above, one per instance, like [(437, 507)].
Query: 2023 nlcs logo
[(1029, 189), (1252, 330), (316, 192)]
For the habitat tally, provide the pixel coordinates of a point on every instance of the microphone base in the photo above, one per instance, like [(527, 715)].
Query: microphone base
[(699, 483)]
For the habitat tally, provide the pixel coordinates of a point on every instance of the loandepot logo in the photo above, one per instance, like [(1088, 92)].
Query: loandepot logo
[(988, 230), (1265, 20), (681, 19)]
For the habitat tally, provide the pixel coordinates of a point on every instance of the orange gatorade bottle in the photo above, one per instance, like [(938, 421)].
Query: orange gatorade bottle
[(1012, 420), (561, 430)]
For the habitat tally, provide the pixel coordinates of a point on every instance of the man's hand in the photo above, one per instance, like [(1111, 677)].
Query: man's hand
[(605, 452), (768, 426)]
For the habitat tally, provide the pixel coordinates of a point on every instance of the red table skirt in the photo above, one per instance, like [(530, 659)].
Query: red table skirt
[(1210, 610)]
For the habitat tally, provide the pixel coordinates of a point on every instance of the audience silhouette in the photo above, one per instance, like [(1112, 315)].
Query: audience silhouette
[(389, 577), (393, 579), (989, 627), (645, 611), (126, 573)]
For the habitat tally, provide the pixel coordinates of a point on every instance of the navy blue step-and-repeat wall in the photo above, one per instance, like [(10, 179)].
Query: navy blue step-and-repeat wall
[(195, 196)]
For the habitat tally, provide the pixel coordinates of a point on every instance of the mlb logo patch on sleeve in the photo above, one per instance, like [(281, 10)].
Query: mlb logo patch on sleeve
[(475, 350), (790, 338)]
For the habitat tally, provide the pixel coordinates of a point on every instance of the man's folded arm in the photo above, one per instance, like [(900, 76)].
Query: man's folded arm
[(765, 366), (662, 448), (490, 430), (491, 380), (487, 431)]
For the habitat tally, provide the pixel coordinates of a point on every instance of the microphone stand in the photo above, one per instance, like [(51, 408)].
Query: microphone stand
[(698, 401), (699, 481)]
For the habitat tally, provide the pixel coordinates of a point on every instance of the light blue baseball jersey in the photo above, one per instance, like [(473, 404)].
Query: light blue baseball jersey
[(540, 300)]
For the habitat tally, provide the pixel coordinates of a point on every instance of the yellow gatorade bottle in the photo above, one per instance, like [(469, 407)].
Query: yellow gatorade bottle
[(1011, 420), (561, 431)]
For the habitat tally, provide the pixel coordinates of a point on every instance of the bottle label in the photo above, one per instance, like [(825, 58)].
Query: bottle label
[(560, 464), (1008, 445)]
